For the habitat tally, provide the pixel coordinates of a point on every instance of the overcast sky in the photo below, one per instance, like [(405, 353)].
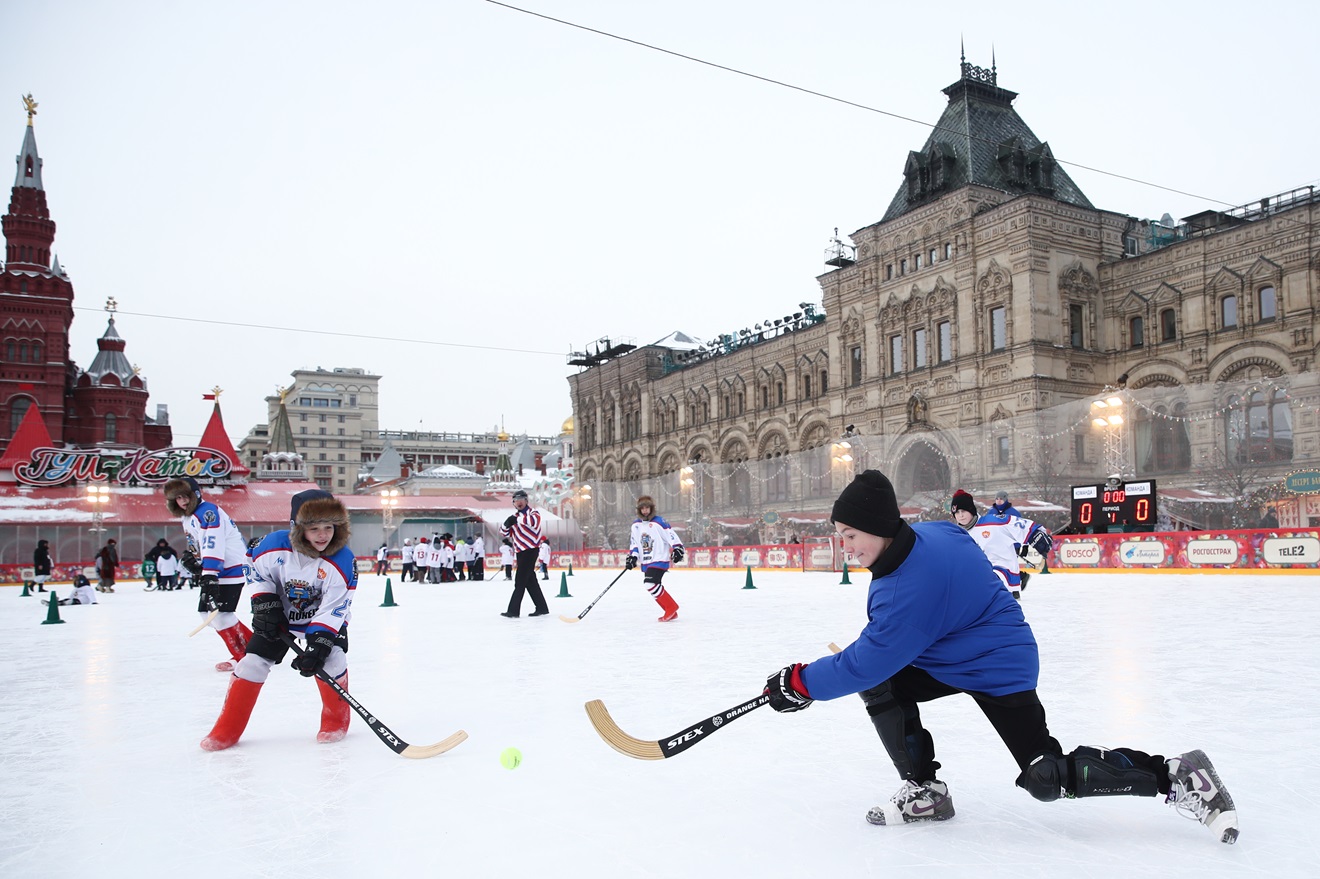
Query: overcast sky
[(483, 190)]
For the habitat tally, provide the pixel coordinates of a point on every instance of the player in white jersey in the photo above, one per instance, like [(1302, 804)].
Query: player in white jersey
[(217, 559), (1003, 537), (653, 545), (303, 583)]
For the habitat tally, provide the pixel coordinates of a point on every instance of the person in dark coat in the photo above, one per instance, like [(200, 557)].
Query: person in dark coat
[(41, 564), (107, 563)]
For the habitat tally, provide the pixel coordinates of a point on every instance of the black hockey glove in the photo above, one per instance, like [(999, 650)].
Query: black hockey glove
[(630, 562), (511, 521), (1042, 542), (268, 619), (677, 555), (317, 652), (786, 690), (252, 544), (1023, 549), (209, 582), (190, 563)]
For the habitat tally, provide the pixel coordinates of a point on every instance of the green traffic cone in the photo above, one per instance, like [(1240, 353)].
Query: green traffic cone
[(1044, 564), (845, 581), (389, 595), (570, 567), (563, 585), (749, 578), (53, 614), (27, 590)]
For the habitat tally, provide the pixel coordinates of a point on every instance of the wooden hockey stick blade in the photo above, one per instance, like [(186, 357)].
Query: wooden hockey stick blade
[(421, 752), (835, 648), (206, 622), (625, 744), (570, 619)]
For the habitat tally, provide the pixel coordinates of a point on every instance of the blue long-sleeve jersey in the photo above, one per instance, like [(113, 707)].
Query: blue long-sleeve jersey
[(943, 610)]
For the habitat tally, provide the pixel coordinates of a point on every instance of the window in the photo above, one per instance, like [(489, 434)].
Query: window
[(17, 410), (341, 418), (806, 387), (916, 261), (1079, 448), (948, 250), (919, 348), (931, 256), (111, 428), (765, 396), (1075, 317), (816, 472), (855, 355), (321, 418), (945, 330), (1227, 312), (895, 354), (1129, 245), (902, 266), (302, 416), (824, 381), (1001, 450), (776, 479), (779, 393), (740, 486), (1258, 429), (1163, 444), (889, 272), (1266, 303), (1168, 325), (998, 328), (352, 401), (1136, 334)]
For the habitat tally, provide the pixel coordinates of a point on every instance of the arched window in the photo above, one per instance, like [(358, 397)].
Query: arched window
[(1266, 303), (1228, 312), (1258, 428), (1168, 325), (776, 478), (1163, 445), (18, 407), (1136, 333)]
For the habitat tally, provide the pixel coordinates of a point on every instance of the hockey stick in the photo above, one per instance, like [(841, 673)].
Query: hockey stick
[(383, 732), (679, 742), (206, 622), (578, 618)]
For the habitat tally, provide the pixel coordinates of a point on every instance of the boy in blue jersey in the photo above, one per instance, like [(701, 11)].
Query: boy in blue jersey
[(940, 623), (304, 580)]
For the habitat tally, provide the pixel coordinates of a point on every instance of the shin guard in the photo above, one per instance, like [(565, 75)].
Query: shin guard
[(235, 639), (1087, 772), (906, 741), (234, 715), (335, 713), (668, 605)]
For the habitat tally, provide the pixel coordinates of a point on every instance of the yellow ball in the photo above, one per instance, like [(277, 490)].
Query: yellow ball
[(511, 758)]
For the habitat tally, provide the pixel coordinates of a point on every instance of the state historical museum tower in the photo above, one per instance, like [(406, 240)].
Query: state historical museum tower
[(105, 405)]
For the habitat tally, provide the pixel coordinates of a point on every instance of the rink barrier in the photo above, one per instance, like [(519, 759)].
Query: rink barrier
[(1257, 549)]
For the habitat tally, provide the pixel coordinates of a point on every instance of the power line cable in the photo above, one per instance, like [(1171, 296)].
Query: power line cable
[(836, 99)]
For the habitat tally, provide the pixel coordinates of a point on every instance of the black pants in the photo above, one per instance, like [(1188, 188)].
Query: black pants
[(524, 579), (477, 569), (225, 596), (407, 569)]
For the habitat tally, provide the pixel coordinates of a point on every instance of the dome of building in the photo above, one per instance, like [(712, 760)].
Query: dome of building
[(567, 426)]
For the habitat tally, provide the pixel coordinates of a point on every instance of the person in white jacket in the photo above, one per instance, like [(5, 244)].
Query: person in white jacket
[(543, 558)]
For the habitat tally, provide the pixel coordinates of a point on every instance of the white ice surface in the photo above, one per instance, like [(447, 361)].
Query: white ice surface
[(101, 774)]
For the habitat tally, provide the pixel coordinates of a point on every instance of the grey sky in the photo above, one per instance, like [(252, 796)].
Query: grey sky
[(461, 173)]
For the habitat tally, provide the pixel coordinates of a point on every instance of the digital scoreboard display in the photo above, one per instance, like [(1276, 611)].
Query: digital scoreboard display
[(1114, 506)]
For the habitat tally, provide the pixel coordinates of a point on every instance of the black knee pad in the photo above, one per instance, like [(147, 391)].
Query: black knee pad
[(1100, 773), (1044, 777), (260, 645)]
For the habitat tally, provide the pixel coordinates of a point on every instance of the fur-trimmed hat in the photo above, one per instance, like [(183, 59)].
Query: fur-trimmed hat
[(962, 501), (184, 487), (315, 506), (645, 501), (868, 504)]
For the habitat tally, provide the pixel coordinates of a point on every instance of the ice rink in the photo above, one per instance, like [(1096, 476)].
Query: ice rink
[(101, 773)]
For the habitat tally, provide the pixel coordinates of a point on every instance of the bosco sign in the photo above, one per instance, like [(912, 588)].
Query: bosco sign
[(1079, 552)]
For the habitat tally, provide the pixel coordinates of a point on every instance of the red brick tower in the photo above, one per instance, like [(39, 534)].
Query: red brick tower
[(36, 304)]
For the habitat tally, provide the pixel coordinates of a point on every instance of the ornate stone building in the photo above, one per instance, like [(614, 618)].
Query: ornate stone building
[(964, 338)]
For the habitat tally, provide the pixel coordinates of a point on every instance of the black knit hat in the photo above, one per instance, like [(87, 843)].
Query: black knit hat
[(868, 504), (962, 501)]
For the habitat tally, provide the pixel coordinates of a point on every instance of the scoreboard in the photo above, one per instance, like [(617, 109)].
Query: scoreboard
[(1114, 506)]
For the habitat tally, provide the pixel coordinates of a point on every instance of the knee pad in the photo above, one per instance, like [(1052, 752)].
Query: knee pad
[(1044, 777), (1096, 772)]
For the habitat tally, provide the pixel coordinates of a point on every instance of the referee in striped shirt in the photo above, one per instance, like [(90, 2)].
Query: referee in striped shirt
[(524, 529)]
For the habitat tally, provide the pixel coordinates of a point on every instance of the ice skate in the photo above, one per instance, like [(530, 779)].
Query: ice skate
[(668, 605), (225, 666), (915, 802), (335, 712), (1197, 792)]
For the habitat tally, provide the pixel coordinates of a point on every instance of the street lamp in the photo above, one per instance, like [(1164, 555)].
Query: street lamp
[(389, 499), (98, 496), (1107, 416)]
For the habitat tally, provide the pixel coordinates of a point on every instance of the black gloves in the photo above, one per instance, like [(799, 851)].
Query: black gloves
[(677, 555), (630, 562), (190, 563), (1042, 542), (208, 582), (314, 657), (252, 544), (511, 521), (786, 690), (268, 619), (1023, 549)]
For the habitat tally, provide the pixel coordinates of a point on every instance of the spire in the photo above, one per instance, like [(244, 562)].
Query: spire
[(29, 231), (110, 359), (281, 460), (215, 437)]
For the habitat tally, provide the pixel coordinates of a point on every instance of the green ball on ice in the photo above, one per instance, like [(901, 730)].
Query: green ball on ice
[(511, 758)]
